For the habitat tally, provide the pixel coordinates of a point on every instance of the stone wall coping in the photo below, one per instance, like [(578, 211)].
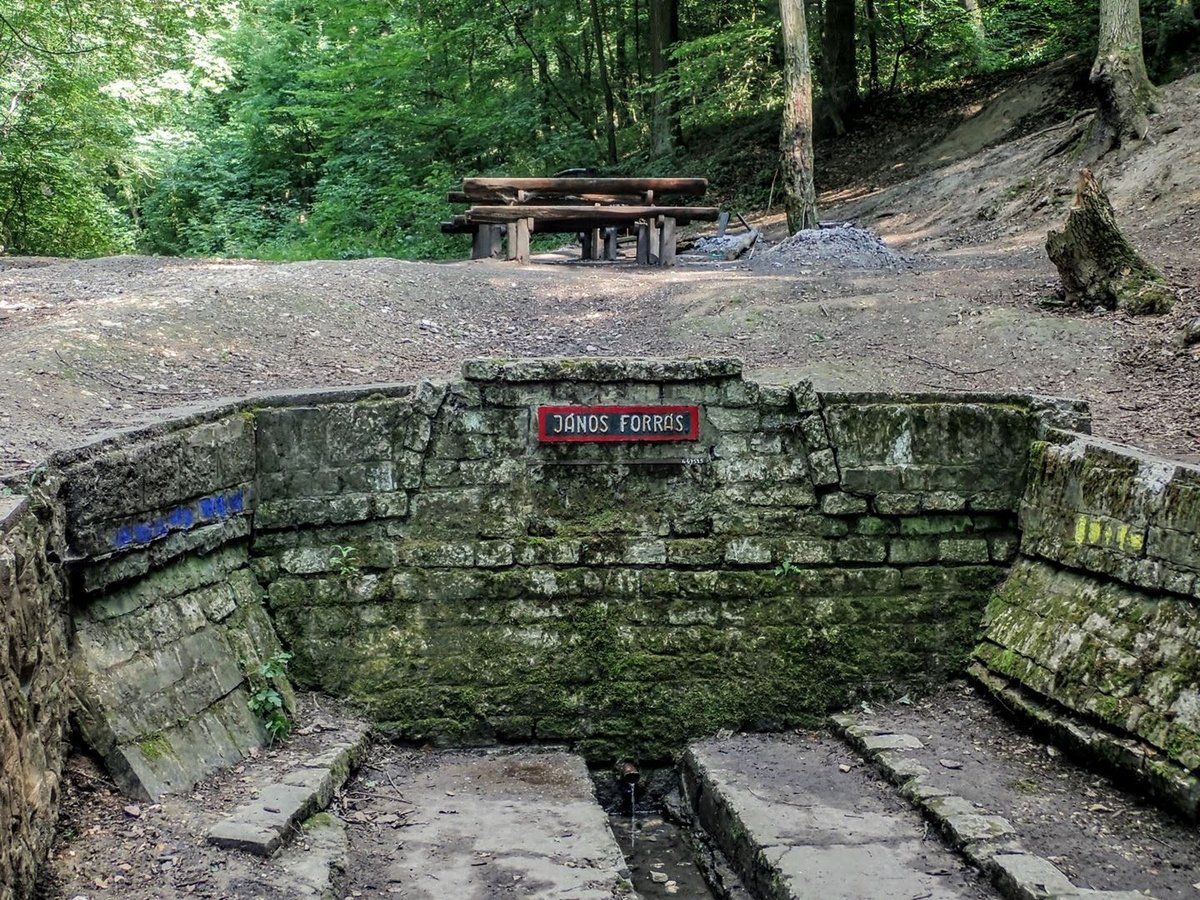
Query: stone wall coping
[(602, 369), (11, 510), (1013, 398), (1061, 437), (171, 419)]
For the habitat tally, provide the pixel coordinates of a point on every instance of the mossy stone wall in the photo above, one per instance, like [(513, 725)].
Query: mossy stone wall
[(34, 687), (427, 556), (1100, 612)]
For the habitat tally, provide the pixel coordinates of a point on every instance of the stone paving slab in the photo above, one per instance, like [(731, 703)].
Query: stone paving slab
[(798, 823), (965, 765), (268, 822), (484, 825)]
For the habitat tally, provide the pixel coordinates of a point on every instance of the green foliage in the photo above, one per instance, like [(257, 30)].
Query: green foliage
[(345, 561), (311, 128), (266, 700)]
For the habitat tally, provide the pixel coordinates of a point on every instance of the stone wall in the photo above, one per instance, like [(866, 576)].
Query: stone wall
[(428, 556), (34, 697), (168, 615), (1100, 612)]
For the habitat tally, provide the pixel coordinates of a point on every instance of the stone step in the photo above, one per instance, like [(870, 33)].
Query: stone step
[(267, 823), (1035, 824), (797, 821), (481, 825)]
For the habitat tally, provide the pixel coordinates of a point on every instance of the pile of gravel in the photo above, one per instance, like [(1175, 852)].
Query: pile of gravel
[(727, 246), (842, 245)]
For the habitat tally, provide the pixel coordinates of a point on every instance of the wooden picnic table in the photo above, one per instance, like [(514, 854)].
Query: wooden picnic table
[(595, 207)]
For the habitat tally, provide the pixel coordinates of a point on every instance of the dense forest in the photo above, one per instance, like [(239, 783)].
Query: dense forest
[(314, 128)]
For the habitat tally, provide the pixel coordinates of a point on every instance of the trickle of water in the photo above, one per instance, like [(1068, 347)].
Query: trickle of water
[(632, 813)]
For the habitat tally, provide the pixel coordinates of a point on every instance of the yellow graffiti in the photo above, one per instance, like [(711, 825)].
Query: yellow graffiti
[(1120, 535)]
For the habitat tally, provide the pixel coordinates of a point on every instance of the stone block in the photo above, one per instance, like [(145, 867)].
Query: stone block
[(824, 467), (807, 551), (840, 504), (891, 504), (696, 552), (748, 552), (735, 419), (963, 550), (943, 501), (904, 551), (860, 549)]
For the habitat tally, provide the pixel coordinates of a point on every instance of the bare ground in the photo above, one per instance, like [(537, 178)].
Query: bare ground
[(1099, 834), (91, 345)]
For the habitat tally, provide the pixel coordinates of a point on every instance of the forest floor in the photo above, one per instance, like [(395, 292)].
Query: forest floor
[(91, 345)]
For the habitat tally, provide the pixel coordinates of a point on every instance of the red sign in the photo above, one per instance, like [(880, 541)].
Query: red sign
[(618, 423)]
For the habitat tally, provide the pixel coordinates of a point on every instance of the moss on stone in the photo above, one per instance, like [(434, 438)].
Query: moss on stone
[(155, 747)]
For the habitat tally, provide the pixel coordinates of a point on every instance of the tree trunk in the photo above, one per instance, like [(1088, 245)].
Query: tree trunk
[(841, 60), (873, 47), (1097, 265), (1123, 89), (975, 15), (610, 106), (800, 196), (664, 26)]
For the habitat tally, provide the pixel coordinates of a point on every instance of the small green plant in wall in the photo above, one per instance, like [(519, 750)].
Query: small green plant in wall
[(266, 701), (784, 569), (345, 561)]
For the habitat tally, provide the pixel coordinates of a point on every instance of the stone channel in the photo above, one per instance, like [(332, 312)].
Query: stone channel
[(609, 560)]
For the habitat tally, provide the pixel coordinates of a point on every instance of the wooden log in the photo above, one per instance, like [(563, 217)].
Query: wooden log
[(487, 242), (546, 198), (666, 251), (459, 225), (1097, 265), (612, 215), (686, 187), (643, 244), (597, 244), (585, 244), (518, 240), (610, 244)]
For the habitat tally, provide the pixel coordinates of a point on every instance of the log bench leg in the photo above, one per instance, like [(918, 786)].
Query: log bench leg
[(597, 244), (585, 245), (643, 244), (610, 244), (666, 250), (518, 240), (487, 242)]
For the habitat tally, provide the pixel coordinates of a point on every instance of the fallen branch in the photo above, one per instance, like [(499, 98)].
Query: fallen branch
[(929, 362), (97, 376)]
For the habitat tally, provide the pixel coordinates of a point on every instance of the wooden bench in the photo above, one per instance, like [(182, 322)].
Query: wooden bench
[(596, 208)]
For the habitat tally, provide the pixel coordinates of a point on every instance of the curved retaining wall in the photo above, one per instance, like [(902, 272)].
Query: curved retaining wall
[(34, 687), (1099, 616), (421, 551), (429, 557)]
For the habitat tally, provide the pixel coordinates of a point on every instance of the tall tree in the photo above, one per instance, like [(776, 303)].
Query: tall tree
[(610, 106), (975, 15), (873, 47), (664, 31), (800, 196), (841, 60), (1126, 96)]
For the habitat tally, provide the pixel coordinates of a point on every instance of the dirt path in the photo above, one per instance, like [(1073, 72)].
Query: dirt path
[(92, 345)]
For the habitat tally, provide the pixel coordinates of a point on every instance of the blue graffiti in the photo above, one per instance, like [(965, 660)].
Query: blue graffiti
[(205, 511)]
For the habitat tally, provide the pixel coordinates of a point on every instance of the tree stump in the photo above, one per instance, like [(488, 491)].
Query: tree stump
[(1098, 266)]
